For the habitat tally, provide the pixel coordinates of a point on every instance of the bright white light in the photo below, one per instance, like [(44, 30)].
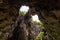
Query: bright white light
[(35, 18), (24, 8)]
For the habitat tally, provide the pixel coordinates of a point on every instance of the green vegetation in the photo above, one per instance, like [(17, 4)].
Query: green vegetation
[(40, 36), (22, 13)]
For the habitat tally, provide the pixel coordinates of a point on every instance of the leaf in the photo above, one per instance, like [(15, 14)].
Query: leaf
[(40, 36), (22, 13)]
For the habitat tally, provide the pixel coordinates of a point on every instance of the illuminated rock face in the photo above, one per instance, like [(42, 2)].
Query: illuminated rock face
[(48, 12)]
